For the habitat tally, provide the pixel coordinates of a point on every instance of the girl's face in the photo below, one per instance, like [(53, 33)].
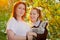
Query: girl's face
[(20, 10), (34, 15)]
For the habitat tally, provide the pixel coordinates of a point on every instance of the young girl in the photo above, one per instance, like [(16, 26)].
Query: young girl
[(39, 27)]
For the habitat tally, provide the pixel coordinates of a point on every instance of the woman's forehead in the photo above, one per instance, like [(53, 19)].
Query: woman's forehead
[(21, 5)]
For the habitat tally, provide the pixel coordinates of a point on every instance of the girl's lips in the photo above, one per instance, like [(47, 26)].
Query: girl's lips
[(32, 17)]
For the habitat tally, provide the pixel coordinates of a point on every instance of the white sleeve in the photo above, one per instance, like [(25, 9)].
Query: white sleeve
[(29, 28), (9, 25)]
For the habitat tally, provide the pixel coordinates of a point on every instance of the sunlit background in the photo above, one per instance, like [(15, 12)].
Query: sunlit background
[(50, 11)]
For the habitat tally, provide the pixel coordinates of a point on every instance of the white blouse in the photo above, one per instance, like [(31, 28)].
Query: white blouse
[(18, 27)]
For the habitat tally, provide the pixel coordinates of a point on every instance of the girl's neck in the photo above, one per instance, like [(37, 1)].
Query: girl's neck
[(34, 21)]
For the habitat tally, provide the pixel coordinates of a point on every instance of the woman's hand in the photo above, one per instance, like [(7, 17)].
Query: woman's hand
[(32, 34)]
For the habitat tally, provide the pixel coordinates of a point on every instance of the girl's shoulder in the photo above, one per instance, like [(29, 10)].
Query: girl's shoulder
[(44, 24)]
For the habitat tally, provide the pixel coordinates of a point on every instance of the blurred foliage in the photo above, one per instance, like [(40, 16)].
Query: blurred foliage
[(50, 11)]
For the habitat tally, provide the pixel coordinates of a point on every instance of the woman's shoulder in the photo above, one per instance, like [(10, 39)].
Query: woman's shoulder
[(30, 24), (26, 23), (11, 21)]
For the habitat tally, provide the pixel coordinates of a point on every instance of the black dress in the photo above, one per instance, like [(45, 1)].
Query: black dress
[(41, 36)]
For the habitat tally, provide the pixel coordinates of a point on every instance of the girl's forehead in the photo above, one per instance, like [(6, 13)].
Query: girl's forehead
[(34, 10)]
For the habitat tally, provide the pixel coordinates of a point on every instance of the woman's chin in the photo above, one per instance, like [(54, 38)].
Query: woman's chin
[(20, 15)]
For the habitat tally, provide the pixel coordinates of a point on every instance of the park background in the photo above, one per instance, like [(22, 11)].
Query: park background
[(50, 11)]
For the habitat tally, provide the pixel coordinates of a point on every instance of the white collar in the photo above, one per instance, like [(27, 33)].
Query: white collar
[(36, 23)]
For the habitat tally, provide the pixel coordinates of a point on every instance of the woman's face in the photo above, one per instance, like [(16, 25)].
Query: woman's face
[(34, 15), (20, 10)]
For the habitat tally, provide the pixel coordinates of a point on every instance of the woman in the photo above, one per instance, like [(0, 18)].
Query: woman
[(17, 28), (39, 27)]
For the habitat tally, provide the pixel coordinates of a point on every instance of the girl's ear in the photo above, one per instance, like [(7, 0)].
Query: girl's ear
[(38, 15)]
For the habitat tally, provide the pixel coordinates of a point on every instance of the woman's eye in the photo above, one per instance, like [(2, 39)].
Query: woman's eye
[(19, 8), (23, 8), (30, 13)]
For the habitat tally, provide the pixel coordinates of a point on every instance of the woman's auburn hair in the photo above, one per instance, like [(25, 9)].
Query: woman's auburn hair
[(14, 9)]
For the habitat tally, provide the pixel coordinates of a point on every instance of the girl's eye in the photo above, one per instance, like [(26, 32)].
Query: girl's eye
[(34, 14)]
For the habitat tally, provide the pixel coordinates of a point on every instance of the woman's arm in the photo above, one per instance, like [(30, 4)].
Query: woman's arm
[(12, 36), (20, 37)]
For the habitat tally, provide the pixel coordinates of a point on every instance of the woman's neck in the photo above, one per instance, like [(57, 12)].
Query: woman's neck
[(19, 18)]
